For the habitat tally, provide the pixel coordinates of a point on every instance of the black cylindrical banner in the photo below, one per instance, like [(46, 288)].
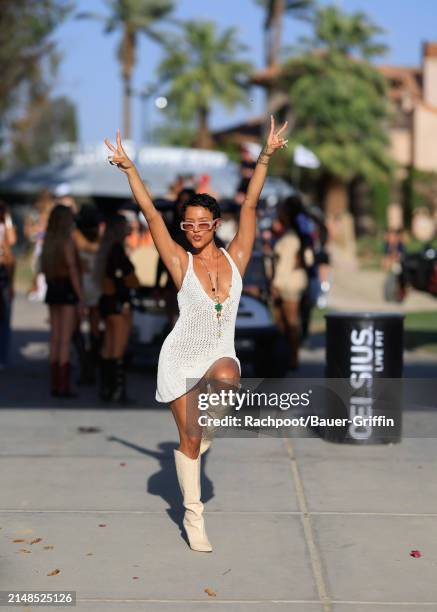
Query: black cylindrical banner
[(365, 351)]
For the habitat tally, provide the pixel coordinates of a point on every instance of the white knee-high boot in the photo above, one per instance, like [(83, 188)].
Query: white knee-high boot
[(204, 445), (188, 473)]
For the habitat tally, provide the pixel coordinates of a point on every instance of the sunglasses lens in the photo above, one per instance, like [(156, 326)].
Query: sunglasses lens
[(204, 226)]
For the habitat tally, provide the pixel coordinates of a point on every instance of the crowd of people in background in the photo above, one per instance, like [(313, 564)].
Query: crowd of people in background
[(86, 268)]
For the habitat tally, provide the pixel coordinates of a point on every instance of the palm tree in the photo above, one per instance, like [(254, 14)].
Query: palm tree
[(273, 23), (202, 67), (339, 101), (132, 17)]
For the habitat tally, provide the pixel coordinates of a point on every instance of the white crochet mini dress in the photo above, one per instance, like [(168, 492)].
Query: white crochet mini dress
[(194, 342)]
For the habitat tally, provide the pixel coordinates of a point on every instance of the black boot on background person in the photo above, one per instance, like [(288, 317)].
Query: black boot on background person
[(106, 378), (119, 393)]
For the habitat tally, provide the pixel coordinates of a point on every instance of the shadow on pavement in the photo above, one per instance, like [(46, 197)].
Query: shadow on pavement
[(164, 482)]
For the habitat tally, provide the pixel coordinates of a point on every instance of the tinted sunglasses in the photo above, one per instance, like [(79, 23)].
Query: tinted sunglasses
[(189, 226)]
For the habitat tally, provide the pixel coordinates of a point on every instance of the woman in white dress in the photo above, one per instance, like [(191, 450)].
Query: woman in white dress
[(209, 283)]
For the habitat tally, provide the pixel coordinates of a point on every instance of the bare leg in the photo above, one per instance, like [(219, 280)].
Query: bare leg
[(108, 339), (290, 310), (68, 324), (121, 328), (185, 414), (55, 331), (223, 374), (94, 320)]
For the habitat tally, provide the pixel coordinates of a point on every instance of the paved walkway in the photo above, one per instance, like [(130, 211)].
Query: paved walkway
[(297, 524), (355, 289)]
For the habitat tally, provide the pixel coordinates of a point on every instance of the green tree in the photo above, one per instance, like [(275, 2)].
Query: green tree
[(339, 101), (45, 124), (203, 67), (275, 11), (28, 56), (132, 18), (175, 133)]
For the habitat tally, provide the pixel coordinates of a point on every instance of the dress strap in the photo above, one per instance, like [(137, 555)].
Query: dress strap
[(190, 263), (231, 261)]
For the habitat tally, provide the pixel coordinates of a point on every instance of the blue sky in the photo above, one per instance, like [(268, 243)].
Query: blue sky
[(89, 73)]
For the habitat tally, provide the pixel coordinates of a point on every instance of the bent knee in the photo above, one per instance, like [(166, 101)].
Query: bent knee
[(225, 371)]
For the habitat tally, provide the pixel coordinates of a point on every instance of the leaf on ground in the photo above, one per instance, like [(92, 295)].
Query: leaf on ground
[(89, 554), (35, 541), (134, 577), (54, 572), (24, 550), (122, 463), (48, 547), (210, 592), (83, 429), (102, 525), (19, 540)]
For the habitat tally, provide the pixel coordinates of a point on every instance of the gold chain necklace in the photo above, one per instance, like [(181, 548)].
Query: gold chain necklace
[(218, 307)]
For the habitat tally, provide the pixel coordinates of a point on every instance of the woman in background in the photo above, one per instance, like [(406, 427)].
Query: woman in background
[(7, 269), (35, 227), (87, 239), (116, 277), (289, 281), (61, 267)]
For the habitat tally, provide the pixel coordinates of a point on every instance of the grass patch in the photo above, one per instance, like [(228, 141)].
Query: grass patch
[(23, 272), (421, 331), (370, 250), (318, 322)]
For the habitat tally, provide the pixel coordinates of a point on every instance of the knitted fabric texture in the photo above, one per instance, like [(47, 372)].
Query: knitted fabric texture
[(193, 344)]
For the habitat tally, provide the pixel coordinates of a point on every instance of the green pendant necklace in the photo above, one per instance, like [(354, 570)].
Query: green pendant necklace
[(218, 306)]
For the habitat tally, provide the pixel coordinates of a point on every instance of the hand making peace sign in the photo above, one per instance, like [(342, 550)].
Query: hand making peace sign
[(119, 156), (275, 140)]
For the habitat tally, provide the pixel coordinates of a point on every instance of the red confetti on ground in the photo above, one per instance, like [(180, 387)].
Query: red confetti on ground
[(134, 577), (415, 553)]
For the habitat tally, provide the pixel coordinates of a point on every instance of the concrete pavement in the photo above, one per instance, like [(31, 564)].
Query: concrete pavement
[(297, 524)]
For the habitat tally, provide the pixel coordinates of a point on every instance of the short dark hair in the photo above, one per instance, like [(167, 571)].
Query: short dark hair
[(185, 194), (205, 200)]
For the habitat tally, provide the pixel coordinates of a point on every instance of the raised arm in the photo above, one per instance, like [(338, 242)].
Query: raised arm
[(172, 254), (241, 246)]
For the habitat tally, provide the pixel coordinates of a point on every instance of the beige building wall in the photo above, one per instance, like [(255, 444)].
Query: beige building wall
[(430, 74), (430, 81), (425, 138), (401, 145)]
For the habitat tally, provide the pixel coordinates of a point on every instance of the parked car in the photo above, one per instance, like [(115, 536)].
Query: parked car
[(420, 270), (415, 270)]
